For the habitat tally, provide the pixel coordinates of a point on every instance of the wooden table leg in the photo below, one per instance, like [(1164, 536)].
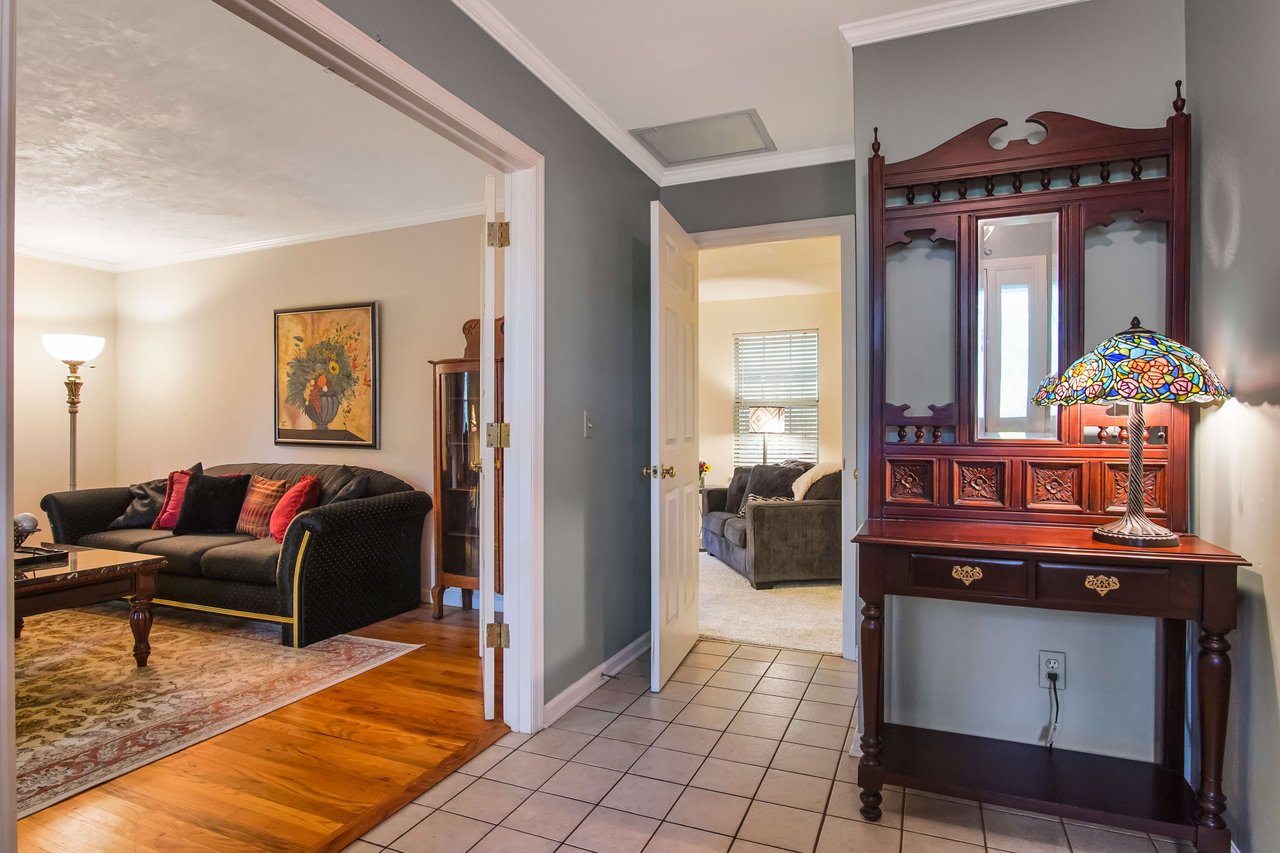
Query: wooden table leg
[(437, 602), (18, 622), (872, 664), (140, 624), (1214, 669)]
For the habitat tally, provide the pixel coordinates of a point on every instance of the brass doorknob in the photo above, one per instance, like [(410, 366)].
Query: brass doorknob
[(668, 471), (649, 471)]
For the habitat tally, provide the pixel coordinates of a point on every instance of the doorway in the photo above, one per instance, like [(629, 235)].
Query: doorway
[(326, 38), (762, 346)]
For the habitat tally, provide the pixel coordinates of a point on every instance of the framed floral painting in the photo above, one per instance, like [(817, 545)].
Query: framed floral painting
[(327, 375)]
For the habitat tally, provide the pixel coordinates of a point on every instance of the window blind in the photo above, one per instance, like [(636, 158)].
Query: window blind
[(776, 369)]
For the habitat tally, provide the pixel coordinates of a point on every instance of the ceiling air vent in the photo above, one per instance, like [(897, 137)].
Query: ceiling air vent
[(709, 138)]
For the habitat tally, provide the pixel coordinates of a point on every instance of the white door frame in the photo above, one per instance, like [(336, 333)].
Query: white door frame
[(321, 34), (851, 399)]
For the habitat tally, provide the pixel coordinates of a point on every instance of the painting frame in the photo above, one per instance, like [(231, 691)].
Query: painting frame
[(352, 342)]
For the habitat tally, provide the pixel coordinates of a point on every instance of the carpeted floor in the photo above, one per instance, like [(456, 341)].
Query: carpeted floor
[(86, 713), (803, 615)]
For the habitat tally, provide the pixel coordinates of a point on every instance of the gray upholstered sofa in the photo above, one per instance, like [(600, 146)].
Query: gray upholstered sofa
[(773, 542), (341, 566)]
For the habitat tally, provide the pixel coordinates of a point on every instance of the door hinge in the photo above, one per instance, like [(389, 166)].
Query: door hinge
[(855, 473), (499, 235), (497, 635), (497, 435)]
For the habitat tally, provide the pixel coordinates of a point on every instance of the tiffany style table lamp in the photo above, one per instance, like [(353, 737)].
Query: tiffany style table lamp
[(1136, 366)]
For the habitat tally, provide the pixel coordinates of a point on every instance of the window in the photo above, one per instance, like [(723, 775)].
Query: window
[(776, 369)]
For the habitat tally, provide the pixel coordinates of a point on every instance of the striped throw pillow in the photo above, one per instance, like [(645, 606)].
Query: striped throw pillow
[(259, 501), (742, 513)]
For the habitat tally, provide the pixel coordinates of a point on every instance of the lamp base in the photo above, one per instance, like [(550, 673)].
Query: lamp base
[(1136, 531)]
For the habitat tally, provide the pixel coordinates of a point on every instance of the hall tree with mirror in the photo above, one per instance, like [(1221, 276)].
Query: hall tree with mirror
[(992, 270)]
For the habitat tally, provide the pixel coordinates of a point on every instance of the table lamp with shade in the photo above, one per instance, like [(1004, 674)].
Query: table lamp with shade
[(73, 351), (767, 420), (1135, 366)]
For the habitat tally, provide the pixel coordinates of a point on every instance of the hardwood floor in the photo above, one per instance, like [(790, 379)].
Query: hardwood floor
[(313, 775)]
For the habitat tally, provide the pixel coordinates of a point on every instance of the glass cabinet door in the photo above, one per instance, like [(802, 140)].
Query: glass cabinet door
[(460, 472)]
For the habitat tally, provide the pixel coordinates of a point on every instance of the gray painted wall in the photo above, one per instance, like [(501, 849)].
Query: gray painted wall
[(972, 668), (790, 195), (1235, 306), (597, 331)]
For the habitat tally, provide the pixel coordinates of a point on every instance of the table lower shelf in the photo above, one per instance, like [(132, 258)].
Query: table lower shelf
[(1115, 791)]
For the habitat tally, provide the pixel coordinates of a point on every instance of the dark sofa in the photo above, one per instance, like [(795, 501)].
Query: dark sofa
[(341, 566), (787, 541)]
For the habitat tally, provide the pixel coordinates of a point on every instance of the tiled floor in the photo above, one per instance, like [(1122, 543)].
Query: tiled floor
[(744, 751)]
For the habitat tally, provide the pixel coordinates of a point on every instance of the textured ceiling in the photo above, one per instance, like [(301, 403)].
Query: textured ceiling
[(761, 270), (150, 130)]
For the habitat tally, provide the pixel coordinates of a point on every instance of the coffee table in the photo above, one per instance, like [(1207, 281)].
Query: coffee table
[(90, 576)]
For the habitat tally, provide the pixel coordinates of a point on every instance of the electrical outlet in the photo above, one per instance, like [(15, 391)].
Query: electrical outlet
[(1053, 662)]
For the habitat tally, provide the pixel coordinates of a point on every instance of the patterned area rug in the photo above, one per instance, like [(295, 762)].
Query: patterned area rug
[(802, 615), (86, 713)]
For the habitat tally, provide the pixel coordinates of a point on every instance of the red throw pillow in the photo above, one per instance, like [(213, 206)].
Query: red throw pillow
[(300, 498), (175, 491)]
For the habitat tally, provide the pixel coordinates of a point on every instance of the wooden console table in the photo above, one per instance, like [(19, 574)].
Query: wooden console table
[(1057, 568)]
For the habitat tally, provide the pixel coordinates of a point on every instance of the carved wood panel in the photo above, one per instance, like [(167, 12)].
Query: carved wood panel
[(911, 481), (1115, 487), (1055, 485), (980, 482)]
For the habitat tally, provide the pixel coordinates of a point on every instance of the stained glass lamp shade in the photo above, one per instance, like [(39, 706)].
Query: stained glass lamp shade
[(1136, 366)]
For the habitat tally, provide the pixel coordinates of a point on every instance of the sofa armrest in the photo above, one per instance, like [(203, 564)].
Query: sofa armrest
[(73, 515), (794, 540), (353, 563), (713, 499)]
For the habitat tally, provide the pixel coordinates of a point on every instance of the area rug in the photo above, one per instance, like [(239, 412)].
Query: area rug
[(802, 615), (86, 713)]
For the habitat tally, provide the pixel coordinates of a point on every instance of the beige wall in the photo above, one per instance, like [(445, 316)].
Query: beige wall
[(54, 298), (187, 372), (718, 322), (195, 354)]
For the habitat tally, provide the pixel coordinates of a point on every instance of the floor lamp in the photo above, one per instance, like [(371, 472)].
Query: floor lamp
[(766, 420), (73, 351)]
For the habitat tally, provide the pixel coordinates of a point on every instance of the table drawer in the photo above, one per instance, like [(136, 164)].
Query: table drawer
[(969, 577), (1104, 587)]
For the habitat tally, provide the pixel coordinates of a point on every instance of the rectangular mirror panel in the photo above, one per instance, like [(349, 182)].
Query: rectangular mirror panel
[(920, 319), (1018, 321)]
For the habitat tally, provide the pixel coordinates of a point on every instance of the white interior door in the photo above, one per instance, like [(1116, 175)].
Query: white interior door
[(488, 390), (673, 460)]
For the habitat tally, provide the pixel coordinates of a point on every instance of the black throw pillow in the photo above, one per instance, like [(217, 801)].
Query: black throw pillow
[(825, 488), (333, 484), (212, 504), (773, 481), (148, 498), (356, 488), (737, 491)]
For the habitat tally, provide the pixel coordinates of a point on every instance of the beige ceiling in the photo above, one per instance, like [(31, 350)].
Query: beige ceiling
[(763, 270), (151, 131)]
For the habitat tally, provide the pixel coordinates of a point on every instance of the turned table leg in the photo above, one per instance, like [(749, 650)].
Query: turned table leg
[(140, 624), (1214, 670), (872, 654)]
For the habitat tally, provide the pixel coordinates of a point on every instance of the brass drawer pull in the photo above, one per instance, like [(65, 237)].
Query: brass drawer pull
[(1102, 584), (966, 574)]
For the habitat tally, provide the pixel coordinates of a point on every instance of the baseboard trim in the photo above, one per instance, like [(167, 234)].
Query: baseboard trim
[(593, 680)]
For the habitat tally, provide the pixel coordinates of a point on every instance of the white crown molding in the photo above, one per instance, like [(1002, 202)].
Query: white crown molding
[(504, 33), (368, 227), (941, 16), (64, 259), (772, 162)]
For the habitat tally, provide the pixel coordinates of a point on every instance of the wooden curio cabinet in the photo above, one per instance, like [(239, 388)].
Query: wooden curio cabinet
[(458, 438)]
